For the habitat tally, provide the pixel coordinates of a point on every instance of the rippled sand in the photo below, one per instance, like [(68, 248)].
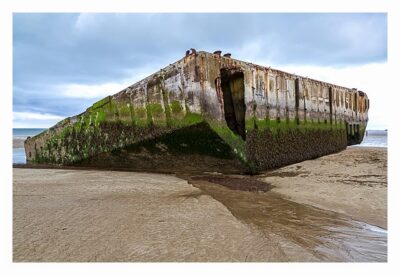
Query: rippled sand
[(353, 182), (71, 215)]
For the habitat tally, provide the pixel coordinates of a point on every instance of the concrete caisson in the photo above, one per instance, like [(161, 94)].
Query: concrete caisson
[(208, 112)]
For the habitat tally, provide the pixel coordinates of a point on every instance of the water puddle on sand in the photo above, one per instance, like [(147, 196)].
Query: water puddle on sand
[(302, 232)]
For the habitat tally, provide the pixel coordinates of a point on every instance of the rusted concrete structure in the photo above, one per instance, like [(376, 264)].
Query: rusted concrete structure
[(208, 112)]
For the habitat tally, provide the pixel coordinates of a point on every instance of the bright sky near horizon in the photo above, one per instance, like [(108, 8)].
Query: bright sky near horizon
[(63, 63)]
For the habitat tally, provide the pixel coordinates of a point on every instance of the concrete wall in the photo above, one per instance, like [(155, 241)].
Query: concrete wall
[(278, 107)]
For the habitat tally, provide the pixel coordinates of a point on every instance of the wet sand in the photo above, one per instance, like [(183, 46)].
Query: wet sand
[(66, 215), (78, 215), (353, 182)]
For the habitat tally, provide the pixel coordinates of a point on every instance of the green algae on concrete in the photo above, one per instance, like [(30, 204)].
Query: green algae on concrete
[(88, 136), (238, 104)]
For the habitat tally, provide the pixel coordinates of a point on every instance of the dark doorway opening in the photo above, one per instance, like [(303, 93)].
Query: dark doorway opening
[(232, 85)]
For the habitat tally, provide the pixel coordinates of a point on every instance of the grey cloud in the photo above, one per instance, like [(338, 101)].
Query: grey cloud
[(57, 49)]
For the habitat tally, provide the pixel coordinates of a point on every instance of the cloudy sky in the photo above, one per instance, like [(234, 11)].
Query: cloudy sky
[(62, 63)]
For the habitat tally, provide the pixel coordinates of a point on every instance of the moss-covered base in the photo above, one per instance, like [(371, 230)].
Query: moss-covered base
[(266, 149), (199, 148), (73, 142), (355, 135), (196, 145), (196, 148)]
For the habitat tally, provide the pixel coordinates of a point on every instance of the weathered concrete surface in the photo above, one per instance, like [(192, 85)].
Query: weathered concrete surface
[(222, 113)]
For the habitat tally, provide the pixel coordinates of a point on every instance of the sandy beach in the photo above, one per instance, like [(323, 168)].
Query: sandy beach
[(310, 211), (353, 182)]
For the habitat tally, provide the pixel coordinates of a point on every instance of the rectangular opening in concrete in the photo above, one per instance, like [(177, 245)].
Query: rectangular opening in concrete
[(232, 85)]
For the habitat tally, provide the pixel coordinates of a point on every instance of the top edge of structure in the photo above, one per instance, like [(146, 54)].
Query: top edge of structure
[(218, 56)]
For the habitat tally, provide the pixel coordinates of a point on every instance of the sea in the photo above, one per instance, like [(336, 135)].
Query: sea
[(19, 136), (372, 138)]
